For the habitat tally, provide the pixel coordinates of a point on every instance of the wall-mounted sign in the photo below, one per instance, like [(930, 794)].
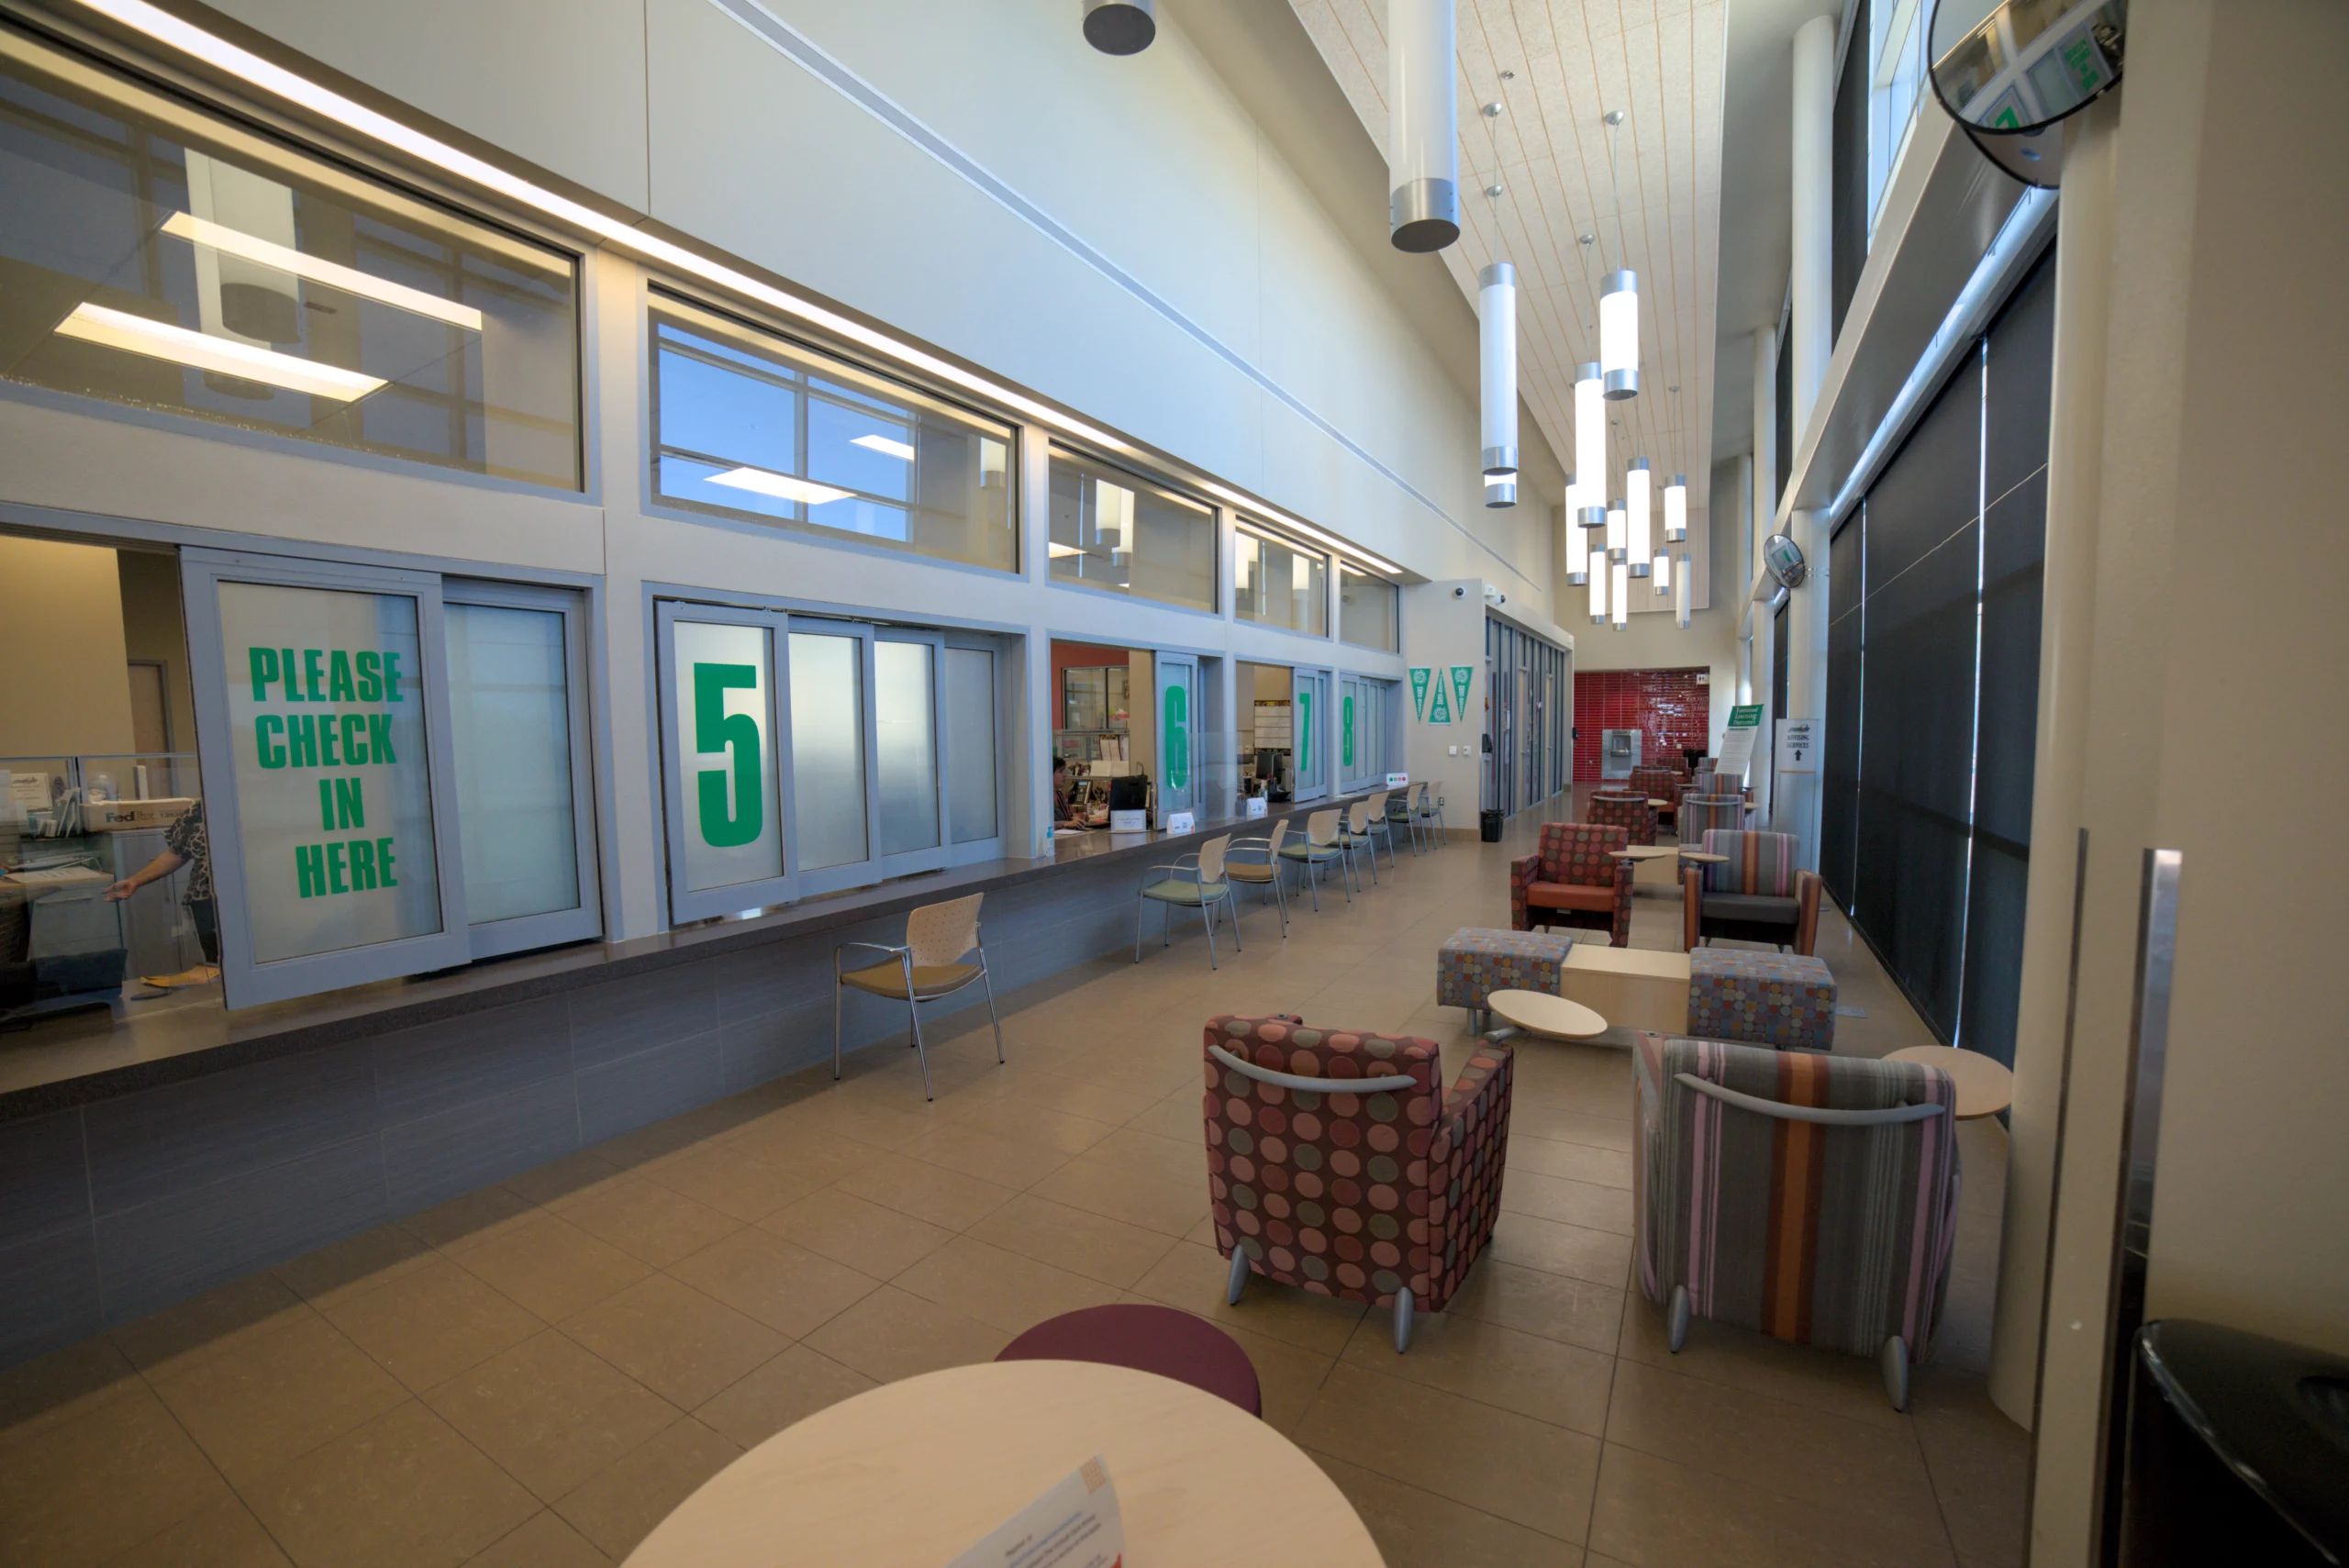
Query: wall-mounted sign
[(1346, 731), (1440, 705), (725, 677), (1461, 674), (1420, 676), (1736, 753), (1798, 745), (1177, 737)]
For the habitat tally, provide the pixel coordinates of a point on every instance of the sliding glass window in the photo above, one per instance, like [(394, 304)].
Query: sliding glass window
[(1369, 610), (1117, 530), (1276, 582), (805, 754), (157, 255), (750, 425)]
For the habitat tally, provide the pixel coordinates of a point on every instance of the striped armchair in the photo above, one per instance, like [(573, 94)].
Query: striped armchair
[(1573, 880), (1810, 1196), (1632, 813), (1702, 813), (1387, 1198), (1756, 895)]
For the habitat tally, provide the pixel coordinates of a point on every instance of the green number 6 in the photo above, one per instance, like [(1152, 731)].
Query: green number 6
[(715, 730)]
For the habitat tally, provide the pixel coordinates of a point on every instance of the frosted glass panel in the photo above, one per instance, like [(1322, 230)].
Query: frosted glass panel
[(828, 750), (726, 753), (904, 709), (970, 726), (509, 694)]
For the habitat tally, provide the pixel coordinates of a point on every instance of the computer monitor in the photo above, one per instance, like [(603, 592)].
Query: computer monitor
[(1129, 794)]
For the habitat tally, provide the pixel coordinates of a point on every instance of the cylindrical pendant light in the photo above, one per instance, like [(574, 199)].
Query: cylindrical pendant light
[(1120, 27), (1619, 334), (1618, 595), (1680, 593), (1496, 342), (1618, 537), (1422, 129), (1638, 507), (1590, 433), (1663, 574), (1675, 510), (1501, 490), (1597, 577)]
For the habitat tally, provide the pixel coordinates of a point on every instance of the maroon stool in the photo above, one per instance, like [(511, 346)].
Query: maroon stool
[(1163, 1339)]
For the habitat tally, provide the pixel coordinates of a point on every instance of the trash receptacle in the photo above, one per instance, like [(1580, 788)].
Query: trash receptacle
[(2238, 1450), (1489, 824)]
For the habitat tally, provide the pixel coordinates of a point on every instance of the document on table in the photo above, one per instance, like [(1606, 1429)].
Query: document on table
[(1075, 1525)]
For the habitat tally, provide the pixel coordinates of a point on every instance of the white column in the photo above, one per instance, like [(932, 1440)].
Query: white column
[(1765, 446), (2067, 625), (1810, 330)]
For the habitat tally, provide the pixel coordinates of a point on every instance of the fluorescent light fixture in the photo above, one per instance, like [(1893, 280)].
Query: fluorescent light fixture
[(1619, 334), (1618, 595), (785, 486), (1618, 542), (1597, 579), (1057, 550), (1663, 574), (1638, 511), (1493, 479), (1680, 594), (161, 340), (884, 444), (1675, 510), (334, 274)]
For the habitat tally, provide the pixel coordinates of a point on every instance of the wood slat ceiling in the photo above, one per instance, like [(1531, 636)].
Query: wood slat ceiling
[(1659, 61)]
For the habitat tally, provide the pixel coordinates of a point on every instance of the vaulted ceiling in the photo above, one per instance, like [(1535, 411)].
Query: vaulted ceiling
[(1568, 63)]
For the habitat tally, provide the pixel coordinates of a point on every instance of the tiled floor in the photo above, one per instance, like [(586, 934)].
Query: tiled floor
[(537, 1372)]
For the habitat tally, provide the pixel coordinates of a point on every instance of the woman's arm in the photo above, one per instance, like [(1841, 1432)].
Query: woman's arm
[(156, 869)]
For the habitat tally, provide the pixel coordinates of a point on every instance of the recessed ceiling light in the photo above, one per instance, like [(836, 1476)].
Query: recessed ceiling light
[(784, 485), (162, 340), (884, 444), (334, 274)]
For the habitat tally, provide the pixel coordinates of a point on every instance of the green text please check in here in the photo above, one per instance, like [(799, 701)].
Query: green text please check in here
[(330, 675)]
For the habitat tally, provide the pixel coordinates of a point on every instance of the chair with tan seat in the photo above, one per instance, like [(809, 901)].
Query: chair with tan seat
[(1198, 881), (1381, 824), (1355, 836), (1256, 862), (1321, 848), (929, 966)]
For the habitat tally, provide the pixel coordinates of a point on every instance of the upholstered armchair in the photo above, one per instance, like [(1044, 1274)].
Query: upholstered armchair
[(1702, 813), (1632, 813), (1386, 1197), (1808, 1196), (1754, 895), (1573, 880), (1657, 783)]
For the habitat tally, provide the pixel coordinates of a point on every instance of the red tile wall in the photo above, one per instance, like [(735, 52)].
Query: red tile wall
[(1673, 708)]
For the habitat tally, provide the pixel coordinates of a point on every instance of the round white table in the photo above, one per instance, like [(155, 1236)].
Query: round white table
[(913, 1473), (1538, 1012), (1984, 1085)]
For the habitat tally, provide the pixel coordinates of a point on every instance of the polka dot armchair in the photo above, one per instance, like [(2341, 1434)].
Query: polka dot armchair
[(1385, 1197)]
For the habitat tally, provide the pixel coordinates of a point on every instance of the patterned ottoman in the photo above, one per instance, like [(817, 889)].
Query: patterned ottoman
[(1760, 998), (1476, 961)]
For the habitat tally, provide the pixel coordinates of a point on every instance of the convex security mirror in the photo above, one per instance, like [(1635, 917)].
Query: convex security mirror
[(1783, 558), (2010, 70)]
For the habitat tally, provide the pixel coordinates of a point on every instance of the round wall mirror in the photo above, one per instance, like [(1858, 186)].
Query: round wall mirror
[(2009, 71), (1783, 558)]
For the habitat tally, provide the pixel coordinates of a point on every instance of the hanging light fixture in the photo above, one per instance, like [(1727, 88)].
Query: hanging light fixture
[(1619, 296), (1638, 509), (1596, 577), (1501, 490), (1675, 510), (1680, 593), (1423, 130), (1578, 570), (1120, 26), (1617, 534), (1618, 595), (1663, 574), (1590, 433), (1497, 337)]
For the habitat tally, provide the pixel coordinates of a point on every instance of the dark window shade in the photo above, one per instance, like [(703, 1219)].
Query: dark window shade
[(1780, 661), (1784, 382), (1840, 768), (1850, 189), (2015, 402)]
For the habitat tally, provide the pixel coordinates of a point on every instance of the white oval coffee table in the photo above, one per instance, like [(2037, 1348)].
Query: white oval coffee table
[(1537, 1012)]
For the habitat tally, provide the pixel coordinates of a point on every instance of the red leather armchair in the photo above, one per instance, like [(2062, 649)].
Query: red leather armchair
[(1573, 880)]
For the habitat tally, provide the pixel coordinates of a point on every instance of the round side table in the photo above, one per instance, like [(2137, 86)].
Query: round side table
[(1537, 1012), (1984, 1086)]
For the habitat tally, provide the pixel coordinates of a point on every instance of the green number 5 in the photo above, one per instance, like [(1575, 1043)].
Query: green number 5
[(715, 730)]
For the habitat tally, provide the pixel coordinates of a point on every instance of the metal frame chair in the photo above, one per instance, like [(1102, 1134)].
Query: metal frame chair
[(1319, 848), (1198, 884), (1381, 826), (1423, 813), (927, 967), (1355, 835), (1255, 875)]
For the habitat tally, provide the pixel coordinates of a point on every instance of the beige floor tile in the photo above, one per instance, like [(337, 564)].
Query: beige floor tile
[(1003, 1289), (1180, 1162), (1844, 1386), (927, 1192), (1082, 1242), (682, 1344), (1194, 1278), (1546, 1379), (783, 1285), (1177, 1116), (544, 1540), (355, 1266), (552, 1266), (225, 1535), (432, 1323), (404, 1491), (1979, 1461), (560, 1181), (1602, 1257), (1599, 1166), (1123, 1192), (892, 1334), (869, 1238), (807, 1151), (618, 1507), (550, 1412), (792, 1386), (746, 1181), (1573, 1203), (1551, 1125), (1023, 1121), (1532, 1302), (1112, 1103), (470, 1221), (651, 1223), (1288, 1377), (277, 1395), (179, 1337), (1003, 1161), (861, 1120), (99, 1481), (1524, 1471), (1652, 1513), (37, 1393), (1419, 1529)]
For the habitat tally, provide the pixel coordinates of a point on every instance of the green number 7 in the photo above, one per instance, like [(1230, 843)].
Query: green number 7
[(715, 730)]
